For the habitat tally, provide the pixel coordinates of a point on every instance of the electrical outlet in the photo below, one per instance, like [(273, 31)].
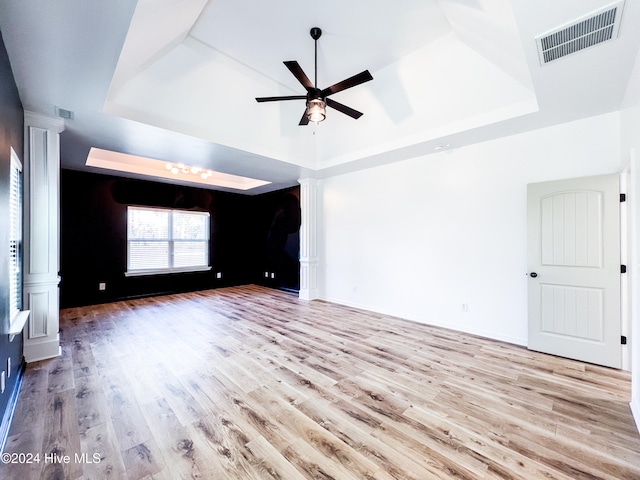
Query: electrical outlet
[(273, 275), (266, 274), (102, 286), (464, 307), (219, 275)]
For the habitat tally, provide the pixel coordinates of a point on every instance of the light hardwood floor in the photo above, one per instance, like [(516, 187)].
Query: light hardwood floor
[(247, 383)]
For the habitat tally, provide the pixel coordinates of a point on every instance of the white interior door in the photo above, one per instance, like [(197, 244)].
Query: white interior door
[(574, 269)]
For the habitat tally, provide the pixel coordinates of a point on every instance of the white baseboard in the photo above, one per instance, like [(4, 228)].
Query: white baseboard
[(635, 410), (5, 426), (432, 322), (522, 342)]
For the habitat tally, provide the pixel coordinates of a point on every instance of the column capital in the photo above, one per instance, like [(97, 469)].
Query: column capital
[(32, 119), (307, 181)]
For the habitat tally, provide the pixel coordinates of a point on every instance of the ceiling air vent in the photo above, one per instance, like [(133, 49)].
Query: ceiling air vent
[(64, 113), (597, 27)]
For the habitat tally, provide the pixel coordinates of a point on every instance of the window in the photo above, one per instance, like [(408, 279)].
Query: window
[(17, 317), (165, 241), (15, 236)]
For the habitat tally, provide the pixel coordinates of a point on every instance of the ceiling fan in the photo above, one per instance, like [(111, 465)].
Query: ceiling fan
[(317, 100)]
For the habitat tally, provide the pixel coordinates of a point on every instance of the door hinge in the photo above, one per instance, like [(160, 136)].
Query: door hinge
[(623, 197), (623, 269), (623, 340)]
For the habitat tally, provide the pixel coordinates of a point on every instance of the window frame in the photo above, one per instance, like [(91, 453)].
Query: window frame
[(17, 316), (171, 242)]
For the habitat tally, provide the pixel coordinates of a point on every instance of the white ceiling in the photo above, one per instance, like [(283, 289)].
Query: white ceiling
[(176, 80)]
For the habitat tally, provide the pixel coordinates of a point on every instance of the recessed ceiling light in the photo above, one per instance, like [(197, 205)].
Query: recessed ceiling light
[(441, 146)]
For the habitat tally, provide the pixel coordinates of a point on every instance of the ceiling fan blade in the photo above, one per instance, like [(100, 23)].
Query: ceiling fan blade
[(297, 71), (277, 99), (305, 119), (348, 83), (343, 108)]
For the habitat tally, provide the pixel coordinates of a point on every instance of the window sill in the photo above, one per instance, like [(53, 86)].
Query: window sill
[(17, 323), (165, 271)]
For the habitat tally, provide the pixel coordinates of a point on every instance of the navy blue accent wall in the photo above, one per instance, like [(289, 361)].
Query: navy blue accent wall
[(248, 234), (278, 222), (11, 135)]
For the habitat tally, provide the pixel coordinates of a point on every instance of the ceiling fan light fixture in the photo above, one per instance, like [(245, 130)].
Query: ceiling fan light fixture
[(316, 110)]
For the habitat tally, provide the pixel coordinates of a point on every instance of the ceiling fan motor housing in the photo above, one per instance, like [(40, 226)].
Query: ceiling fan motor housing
[(314, 94)]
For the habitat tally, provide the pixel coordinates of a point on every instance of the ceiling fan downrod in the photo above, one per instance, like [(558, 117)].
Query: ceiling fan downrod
[(315, 33)]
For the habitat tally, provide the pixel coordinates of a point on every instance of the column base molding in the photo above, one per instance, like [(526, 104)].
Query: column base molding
[(308, 280), (50, 348), (635, 410), (41, 339), (308, 294)]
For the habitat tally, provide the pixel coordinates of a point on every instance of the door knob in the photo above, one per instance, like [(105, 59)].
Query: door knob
[(533, 274)]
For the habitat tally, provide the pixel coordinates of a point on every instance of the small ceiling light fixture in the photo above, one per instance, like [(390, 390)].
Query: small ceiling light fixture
[(181, 167)]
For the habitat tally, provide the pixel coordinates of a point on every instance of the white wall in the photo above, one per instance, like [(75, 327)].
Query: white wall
[(419, 238), (630, 151)]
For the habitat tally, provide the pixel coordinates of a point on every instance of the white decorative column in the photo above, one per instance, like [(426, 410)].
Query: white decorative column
[(308, 235), (41, 180)]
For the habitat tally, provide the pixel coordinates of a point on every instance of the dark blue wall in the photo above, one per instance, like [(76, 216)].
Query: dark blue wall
[(278, 245), (249, 235), (11, 135)]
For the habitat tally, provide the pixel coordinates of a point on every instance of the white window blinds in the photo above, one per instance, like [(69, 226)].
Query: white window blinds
[(164, 241), (190, 236), (15, 236)]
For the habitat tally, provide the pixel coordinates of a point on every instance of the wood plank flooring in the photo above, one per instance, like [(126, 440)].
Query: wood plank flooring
[(251, 383)]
